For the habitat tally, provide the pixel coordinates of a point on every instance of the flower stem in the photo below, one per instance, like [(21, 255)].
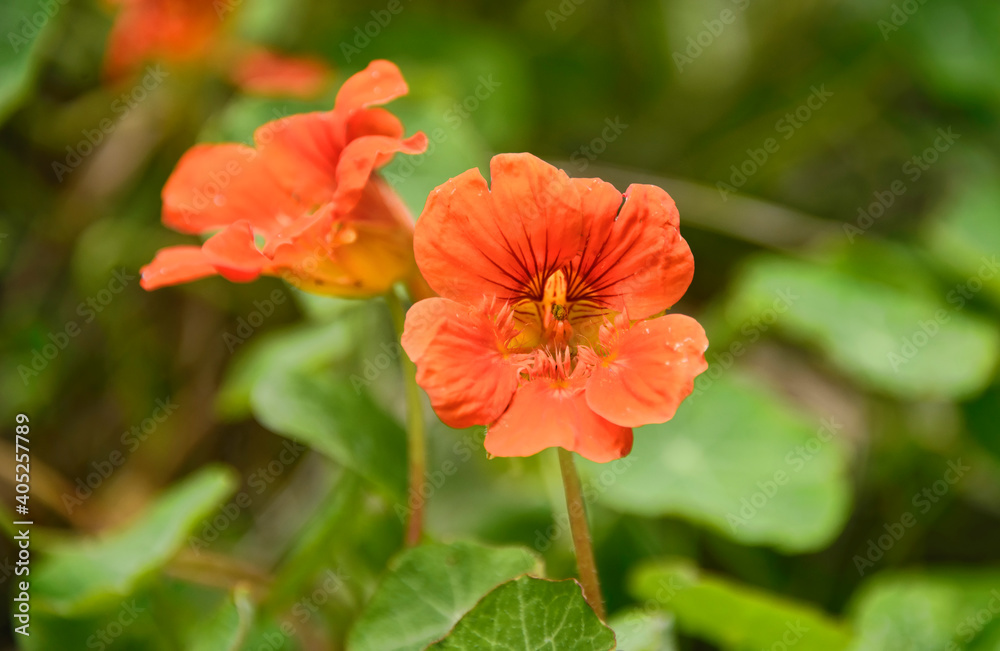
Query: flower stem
[(416, 444), (577, 509)]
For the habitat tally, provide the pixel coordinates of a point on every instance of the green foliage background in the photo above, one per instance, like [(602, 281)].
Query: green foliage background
[(837, 469)]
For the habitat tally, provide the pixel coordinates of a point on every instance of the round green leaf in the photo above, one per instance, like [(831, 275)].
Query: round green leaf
[(733, 616), (903, 344), (937, 610), (335, 419), (429, 588), (736, 459), (530, 614), (79, 577)]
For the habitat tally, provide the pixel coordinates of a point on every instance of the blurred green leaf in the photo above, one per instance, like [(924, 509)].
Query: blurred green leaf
[(268, 21), (227, 628), (305, 347), (732, 616), (82, 576), (127, 625), (337, 420), (638, 630), (982, 416), (528, 614), (952, 46), (26, 26), (737, 459), (429, 588), (966, 236), (908, 346), (935, 610)]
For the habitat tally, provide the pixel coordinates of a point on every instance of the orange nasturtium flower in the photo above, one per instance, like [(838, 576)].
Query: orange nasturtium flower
[(194, 32), (549, 328), (305, 203)]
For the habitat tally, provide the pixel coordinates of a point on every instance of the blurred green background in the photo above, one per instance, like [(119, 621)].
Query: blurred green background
[(837, 172)]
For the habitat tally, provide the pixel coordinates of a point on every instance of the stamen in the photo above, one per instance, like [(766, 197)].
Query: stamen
[(555, 294)]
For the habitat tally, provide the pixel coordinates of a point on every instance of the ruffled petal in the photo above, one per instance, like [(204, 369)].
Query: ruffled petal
[(360, 158), (374, 122), (301, 153), (460, 363), (262, 72), (637, 260), (214, 186), (472, 241), (546, 413), (233, 252), (648, 370), (175, 265), (379, 83)]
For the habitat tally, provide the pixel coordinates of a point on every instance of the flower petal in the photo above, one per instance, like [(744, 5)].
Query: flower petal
[(214, 186), (459, 362), (262, 72), (650, 368), (374, 122), (173, 31), (379, 83), (175, 265), (301, 153), (641, 263), (545, 414), (234, 253), (472, 241), (360, 158)]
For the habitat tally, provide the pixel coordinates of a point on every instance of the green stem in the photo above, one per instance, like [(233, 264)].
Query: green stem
[(582, 544), (416, 445)]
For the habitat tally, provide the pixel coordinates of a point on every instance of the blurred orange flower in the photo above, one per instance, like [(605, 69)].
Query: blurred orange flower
[(549, 326), (190, 31), (305, 203)]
